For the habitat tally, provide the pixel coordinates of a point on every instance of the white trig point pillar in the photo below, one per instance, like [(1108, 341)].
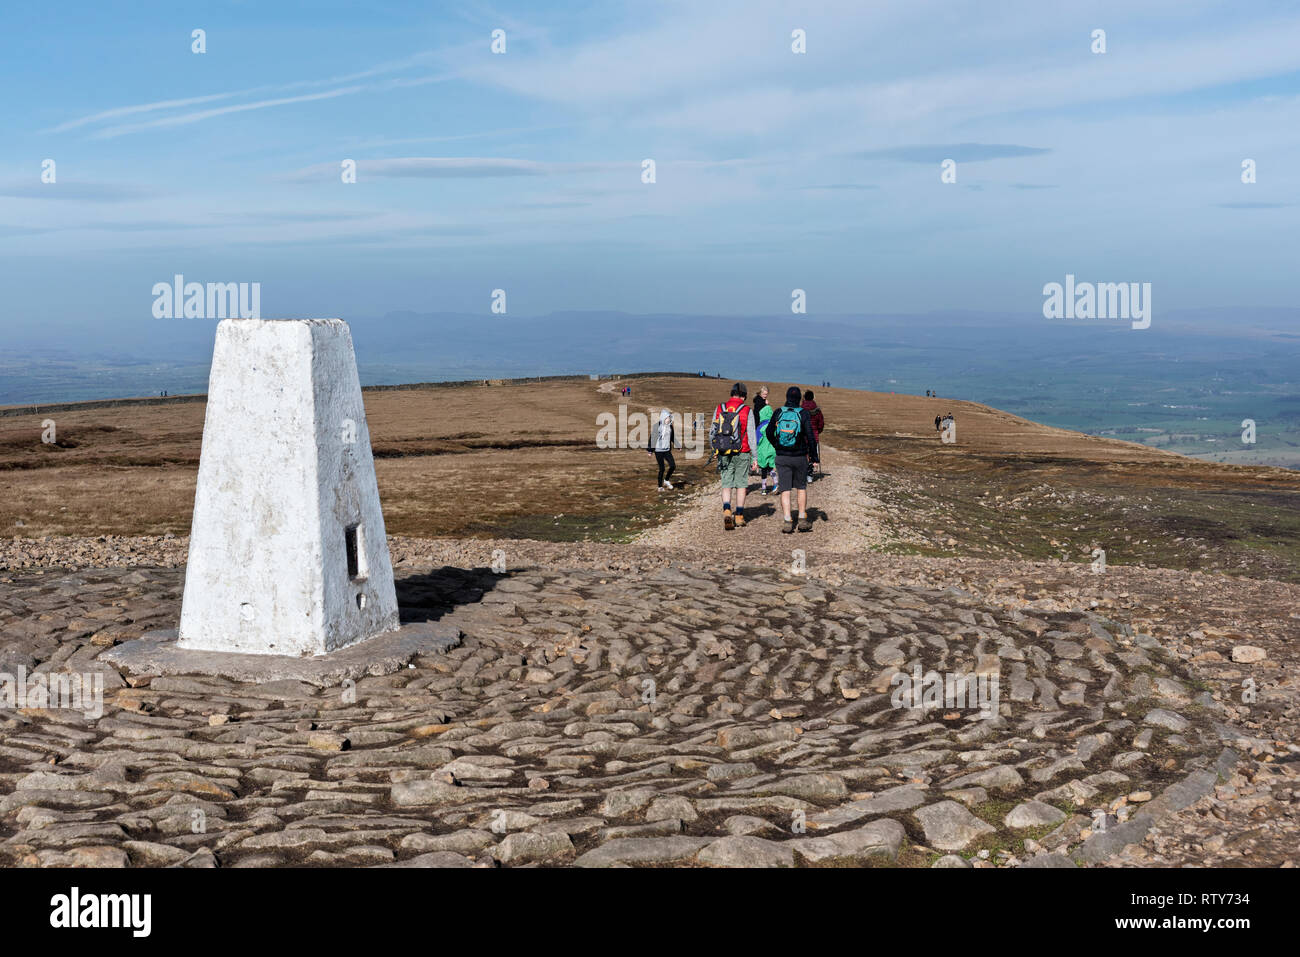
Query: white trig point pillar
[(288, 554)]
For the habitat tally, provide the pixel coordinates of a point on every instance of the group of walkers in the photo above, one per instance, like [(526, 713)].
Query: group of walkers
[(780, 442)]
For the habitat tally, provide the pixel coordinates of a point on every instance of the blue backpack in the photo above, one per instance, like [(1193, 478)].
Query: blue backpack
[(789, 423)]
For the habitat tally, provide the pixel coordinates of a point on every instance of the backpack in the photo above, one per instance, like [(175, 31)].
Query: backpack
[(725, 435), (789, 423)]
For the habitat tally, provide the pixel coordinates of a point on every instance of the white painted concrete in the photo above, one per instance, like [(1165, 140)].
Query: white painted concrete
[(285, 470)]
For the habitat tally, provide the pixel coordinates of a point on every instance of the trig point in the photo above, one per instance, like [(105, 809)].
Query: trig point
[(288, 572), (287, 548)]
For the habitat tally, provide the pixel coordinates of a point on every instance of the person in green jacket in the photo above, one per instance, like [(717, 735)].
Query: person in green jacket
[(765, 455)]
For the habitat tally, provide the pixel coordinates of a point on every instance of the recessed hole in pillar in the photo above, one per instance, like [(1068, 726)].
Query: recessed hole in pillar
[(354, 544), (361, 600)]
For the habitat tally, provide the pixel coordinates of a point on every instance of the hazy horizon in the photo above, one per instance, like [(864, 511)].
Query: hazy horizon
[(1186, 383)]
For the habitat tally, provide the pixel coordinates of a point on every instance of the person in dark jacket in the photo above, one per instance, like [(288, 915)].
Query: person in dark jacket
[(790, 430), (818, 423)]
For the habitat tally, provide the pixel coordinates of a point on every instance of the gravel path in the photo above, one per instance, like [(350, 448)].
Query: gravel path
[(840, 504)]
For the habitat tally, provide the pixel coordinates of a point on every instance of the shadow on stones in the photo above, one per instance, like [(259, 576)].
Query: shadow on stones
[(429, 596)]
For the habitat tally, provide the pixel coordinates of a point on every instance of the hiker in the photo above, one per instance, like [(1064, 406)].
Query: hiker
[(764, 454), (818, 423), (790, 430), (662, 438), (732, 435)]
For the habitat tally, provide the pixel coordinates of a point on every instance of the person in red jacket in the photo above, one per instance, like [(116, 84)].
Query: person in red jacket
[(818, 423), (733, 437)]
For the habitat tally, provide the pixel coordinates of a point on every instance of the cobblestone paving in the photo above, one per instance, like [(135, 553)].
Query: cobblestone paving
[(658, 715)]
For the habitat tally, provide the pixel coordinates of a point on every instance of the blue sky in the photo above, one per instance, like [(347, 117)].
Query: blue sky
[(522, 170)]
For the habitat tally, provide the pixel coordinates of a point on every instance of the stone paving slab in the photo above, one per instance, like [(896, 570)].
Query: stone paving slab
[(640, 716), (156, 653)]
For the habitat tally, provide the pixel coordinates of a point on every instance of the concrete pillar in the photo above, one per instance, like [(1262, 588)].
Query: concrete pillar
[(288, 554)]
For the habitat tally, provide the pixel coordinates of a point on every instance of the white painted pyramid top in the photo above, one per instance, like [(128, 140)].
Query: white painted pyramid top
[(288, 553)]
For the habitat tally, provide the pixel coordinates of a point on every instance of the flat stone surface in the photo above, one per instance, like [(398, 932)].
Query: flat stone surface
[(643, 850), (1163, 718), (741, 851), (949, 826), (902, 798), (878, 839), (156, 653), (452, 761), (1001, 778), (1048, 860), (1033, 814)]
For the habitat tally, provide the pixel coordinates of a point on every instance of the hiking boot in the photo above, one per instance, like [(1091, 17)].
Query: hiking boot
[(805, 523), (728, 520), (740, 519), (788, 525)]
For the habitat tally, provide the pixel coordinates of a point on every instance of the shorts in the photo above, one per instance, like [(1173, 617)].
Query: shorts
[(734, 469), (791, 472)]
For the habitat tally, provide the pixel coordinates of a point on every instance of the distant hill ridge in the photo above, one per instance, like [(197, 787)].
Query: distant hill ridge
[(37, 409)]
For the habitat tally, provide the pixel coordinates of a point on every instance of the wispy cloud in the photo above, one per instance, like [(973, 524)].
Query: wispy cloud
[(141, 108), (186, 118), (82, 192), (415, 60), (842, 186), (960, 152), (451, 167)]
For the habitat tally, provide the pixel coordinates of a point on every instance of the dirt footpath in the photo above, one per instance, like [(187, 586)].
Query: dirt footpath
[(839, 503)]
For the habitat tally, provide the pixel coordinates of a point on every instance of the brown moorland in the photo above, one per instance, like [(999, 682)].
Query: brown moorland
[(520, 460)]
